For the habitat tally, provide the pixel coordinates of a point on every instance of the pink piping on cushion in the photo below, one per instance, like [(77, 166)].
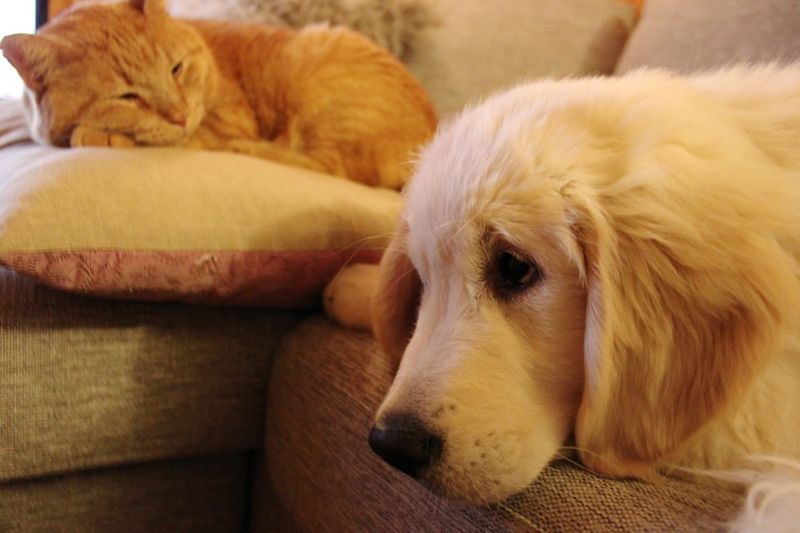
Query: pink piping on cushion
[(287, 280)]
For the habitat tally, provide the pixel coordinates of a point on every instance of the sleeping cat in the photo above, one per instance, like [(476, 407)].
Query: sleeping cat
[(128, 74)]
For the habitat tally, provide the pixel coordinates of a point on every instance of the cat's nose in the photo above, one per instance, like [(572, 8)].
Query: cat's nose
[(179, 119), (175, 114)]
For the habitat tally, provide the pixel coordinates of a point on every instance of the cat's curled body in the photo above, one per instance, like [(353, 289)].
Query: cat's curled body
[(128, 74)]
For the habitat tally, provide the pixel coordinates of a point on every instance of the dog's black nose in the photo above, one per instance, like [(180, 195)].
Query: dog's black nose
[(405, 443)]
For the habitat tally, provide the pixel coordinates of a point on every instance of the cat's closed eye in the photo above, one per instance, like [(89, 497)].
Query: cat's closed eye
[(131, 96), (177, 69)]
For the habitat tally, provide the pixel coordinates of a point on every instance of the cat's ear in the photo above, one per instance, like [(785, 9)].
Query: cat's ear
[(33, 56), (150, 7)]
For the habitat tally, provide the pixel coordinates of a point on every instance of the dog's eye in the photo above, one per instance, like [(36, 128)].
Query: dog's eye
[(515, 272)]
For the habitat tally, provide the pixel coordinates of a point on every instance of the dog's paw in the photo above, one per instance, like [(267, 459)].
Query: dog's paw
[(83, 136), (347, 298)]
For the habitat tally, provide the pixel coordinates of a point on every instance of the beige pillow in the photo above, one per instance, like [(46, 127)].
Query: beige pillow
[(480, 47), (692, 35), (180, 225)]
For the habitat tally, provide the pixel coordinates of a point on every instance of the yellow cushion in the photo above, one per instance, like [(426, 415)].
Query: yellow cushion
[(173, 224)]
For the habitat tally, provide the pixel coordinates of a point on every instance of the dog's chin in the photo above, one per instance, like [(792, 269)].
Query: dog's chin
[(477, 488), (471, 491)]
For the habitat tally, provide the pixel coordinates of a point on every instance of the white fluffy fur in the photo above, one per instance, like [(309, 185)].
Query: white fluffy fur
[(773, 504), (664, 213), (773, 501)]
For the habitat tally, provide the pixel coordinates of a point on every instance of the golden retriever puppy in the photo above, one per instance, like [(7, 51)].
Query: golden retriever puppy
[(614, 260)]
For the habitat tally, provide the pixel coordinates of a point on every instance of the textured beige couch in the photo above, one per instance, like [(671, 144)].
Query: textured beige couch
[(123, 416)]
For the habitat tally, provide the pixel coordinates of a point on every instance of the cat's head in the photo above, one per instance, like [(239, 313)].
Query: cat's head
[(127, 68)]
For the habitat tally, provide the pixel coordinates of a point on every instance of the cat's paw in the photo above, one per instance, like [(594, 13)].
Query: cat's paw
[(83, 136), (347, 298)]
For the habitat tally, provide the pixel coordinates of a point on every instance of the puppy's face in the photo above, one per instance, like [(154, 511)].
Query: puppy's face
[(494, 368), (493, 373)]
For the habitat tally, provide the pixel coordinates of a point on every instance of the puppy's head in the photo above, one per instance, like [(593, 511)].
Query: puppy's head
[(575, 265), (491, 378)]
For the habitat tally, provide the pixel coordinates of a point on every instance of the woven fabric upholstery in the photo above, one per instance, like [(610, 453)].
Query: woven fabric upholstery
[(205, 495), (689, 35), (480, 47), (88, 382), (325, 386)]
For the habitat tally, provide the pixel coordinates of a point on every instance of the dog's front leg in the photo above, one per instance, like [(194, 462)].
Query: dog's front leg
[(347, 298)]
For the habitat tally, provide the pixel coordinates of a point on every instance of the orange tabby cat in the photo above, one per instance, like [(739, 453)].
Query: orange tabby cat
[(128, 74)]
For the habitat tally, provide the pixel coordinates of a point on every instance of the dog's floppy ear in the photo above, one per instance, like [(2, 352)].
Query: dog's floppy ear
[(395, 302), (687, 298)]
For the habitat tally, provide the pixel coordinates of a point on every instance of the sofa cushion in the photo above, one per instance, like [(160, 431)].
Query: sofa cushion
[(687, 35), (86, 383), (325, 387), (183, 225), (393, 24), (480, 47), (203, 494)]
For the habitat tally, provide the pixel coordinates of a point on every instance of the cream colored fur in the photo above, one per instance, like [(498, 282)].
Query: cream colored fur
[(664, 215)]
